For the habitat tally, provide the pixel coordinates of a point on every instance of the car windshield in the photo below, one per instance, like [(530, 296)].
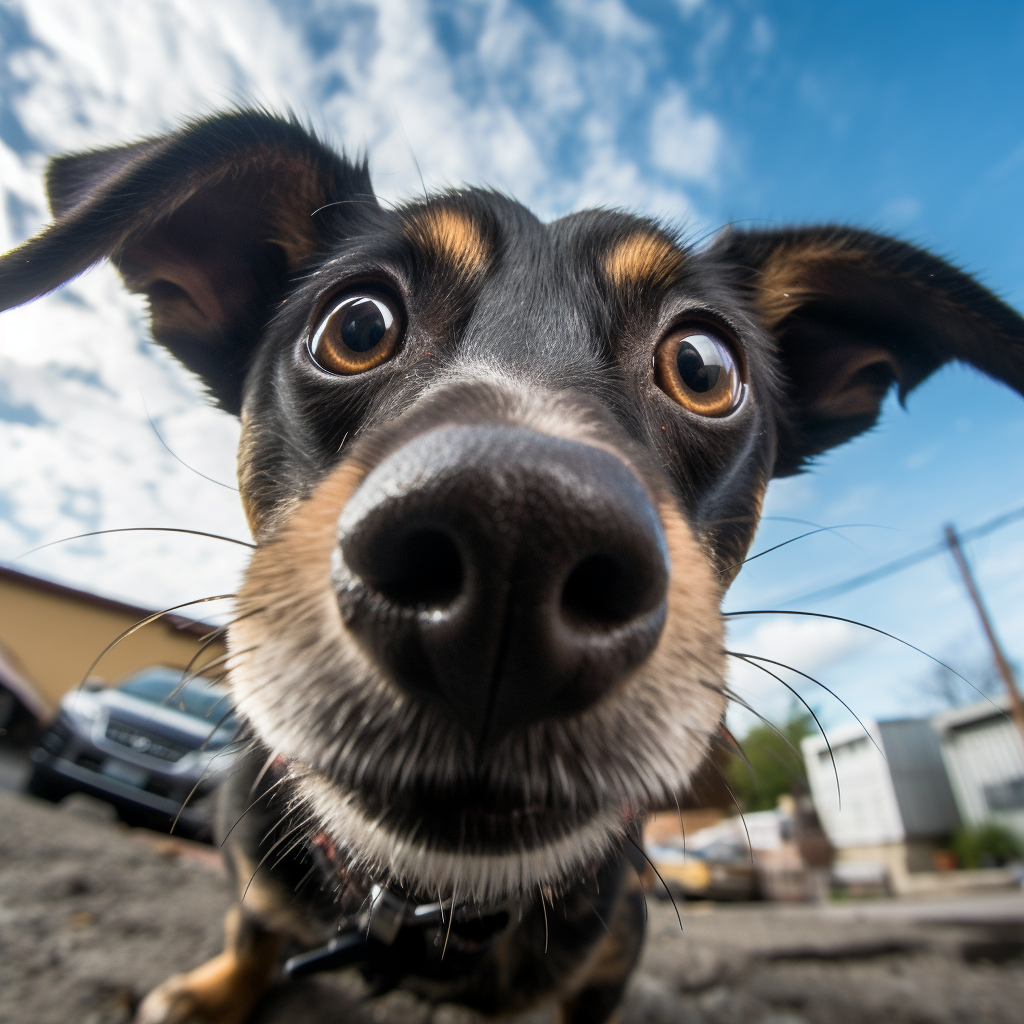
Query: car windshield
[(198, 699)]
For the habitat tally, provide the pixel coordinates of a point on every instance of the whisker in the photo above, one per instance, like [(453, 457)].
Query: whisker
[(874, 629), (739, 746), (263, 771), (451, 915), (191, 794), (602, 920), (215, 634), (204, 668), (743, 820), (793, 540), (737, 699), (289, 850), (810, 711), (832, 693), (145, 622), (213, 731), (544, 910), (397, 122), (346, 202), (267, 792), (305, 821), (640, 879), (243, 616), (186, 673), (216, 679), (138, 529), (682, 827), (668, 891), (305, 878), (175, 455), (219, 700)]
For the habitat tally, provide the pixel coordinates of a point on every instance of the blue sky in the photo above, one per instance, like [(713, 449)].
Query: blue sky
[(907, 118)]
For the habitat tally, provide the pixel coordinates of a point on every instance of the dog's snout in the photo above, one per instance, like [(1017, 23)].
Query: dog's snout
[(506, 575)]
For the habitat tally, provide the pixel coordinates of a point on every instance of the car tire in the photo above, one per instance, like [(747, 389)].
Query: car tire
[(43, 785)]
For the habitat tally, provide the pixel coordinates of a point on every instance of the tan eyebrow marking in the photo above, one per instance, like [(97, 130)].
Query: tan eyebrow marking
[(643, 259), (451, 236)]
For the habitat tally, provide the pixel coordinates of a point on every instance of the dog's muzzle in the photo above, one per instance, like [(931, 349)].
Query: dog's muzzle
[(502, 575)]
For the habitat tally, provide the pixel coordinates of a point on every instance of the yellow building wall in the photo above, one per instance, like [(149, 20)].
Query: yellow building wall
[(51, 635)]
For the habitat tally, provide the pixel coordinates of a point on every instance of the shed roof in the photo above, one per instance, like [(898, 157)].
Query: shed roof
[(971, 714)]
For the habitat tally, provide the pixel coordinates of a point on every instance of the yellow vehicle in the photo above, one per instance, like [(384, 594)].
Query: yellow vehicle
[(718, 872)]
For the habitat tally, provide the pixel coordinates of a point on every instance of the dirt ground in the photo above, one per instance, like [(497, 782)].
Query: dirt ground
[(93, 914)]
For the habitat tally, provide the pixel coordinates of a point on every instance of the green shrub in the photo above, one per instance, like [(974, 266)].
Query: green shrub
[(986, 846), (775, 762)]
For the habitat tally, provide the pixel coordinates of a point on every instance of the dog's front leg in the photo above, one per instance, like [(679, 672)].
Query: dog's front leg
[(225, 989), (599, 987), (271, 872)]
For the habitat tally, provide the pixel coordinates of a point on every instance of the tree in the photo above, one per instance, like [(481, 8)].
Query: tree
[(944, 689), (775, 766)]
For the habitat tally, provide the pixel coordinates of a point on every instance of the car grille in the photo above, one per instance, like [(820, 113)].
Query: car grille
[(144, 741)]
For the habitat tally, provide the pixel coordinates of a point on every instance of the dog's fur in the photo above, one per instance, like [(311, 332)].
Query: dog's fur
[(478, 785)]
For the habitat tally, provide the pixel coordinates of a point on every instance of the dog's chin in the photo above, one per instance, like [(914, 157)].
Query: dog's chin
[(473, 847)]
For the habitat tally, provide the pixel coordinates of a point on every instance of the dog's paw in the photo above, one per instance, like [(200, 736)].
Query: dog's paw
[(216, 993)]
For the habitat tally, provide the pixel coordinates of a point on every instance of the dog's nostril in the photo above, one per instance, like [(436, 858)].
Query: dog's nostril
[(598, 592), (505, 577), (426, 572)]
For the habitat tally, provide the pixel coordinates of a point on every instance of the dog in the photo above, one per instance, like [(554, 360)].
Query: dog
[(499, 474)]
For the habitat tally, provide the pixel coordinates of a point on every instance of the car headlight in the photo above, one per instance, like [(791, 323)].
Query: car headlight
[(82, 706), (211, 762)]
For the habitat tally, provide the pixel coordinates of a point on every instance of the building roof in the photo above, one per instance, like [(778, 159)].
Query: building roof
[(971, 714), (181, 622)]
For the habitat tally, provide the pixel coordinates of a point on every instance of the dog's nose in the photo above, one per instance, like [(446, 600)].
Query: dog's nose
[(505, 575)]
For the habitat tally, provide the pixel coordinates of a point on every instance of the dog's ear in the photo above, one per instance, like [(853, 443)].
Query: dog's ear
[(209, 222), (852, 314)]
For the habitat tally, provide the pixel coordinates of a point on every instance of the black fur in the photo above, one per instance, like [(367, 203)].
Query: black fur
[(257, 213)]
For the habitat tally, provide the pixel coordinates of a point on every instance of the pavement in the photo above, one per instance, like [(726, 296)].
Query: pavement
[(15, 767), (93, 914)]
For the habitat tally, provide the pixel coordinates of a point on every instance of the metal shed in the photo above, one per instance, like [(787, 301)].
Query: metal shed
[(984, 757), (892, 782)]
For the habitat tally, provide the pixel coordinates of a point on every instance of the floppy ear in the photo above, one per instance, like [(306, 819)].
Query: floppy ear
[(853, 313), (209, 222)]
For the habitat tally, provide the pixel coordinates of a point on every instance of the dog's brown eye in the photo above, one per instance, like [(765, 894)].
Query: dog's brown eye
[(699, 371), (356, 333)]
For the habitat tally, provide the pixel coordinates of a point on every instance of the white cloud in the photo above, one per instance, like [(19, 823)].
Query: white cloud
[(762, 38), (688, 7), (809, 645), (901, 211), (511, 103), (684, 144), (857, 502), (788, 494), (614, 18)]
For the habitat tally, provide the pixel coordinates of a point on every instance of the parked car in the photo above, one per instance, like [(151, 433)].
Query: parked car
[(146, 746), (720, 871)]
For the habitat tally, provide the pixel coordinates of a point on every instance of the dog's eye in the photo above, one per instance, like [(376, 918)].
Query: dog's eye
[(356, 333), (699, 371)]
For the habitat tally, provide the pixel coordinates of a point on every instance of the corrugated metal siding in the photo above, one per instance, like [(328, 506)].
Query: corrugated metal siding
[(919, 778), (980, 754), (869, 814)]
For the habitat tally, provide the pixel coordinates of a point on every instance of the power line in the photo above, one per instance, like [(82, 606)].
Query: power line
[(907, 561)]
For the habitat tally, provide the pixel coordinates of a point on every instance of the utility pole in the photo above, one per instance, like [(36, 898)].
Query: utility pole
[(1002, 665)]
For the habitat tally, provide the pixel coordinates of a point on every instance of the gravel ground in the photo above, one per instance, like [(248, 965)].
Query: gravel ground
[(93, 914)]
